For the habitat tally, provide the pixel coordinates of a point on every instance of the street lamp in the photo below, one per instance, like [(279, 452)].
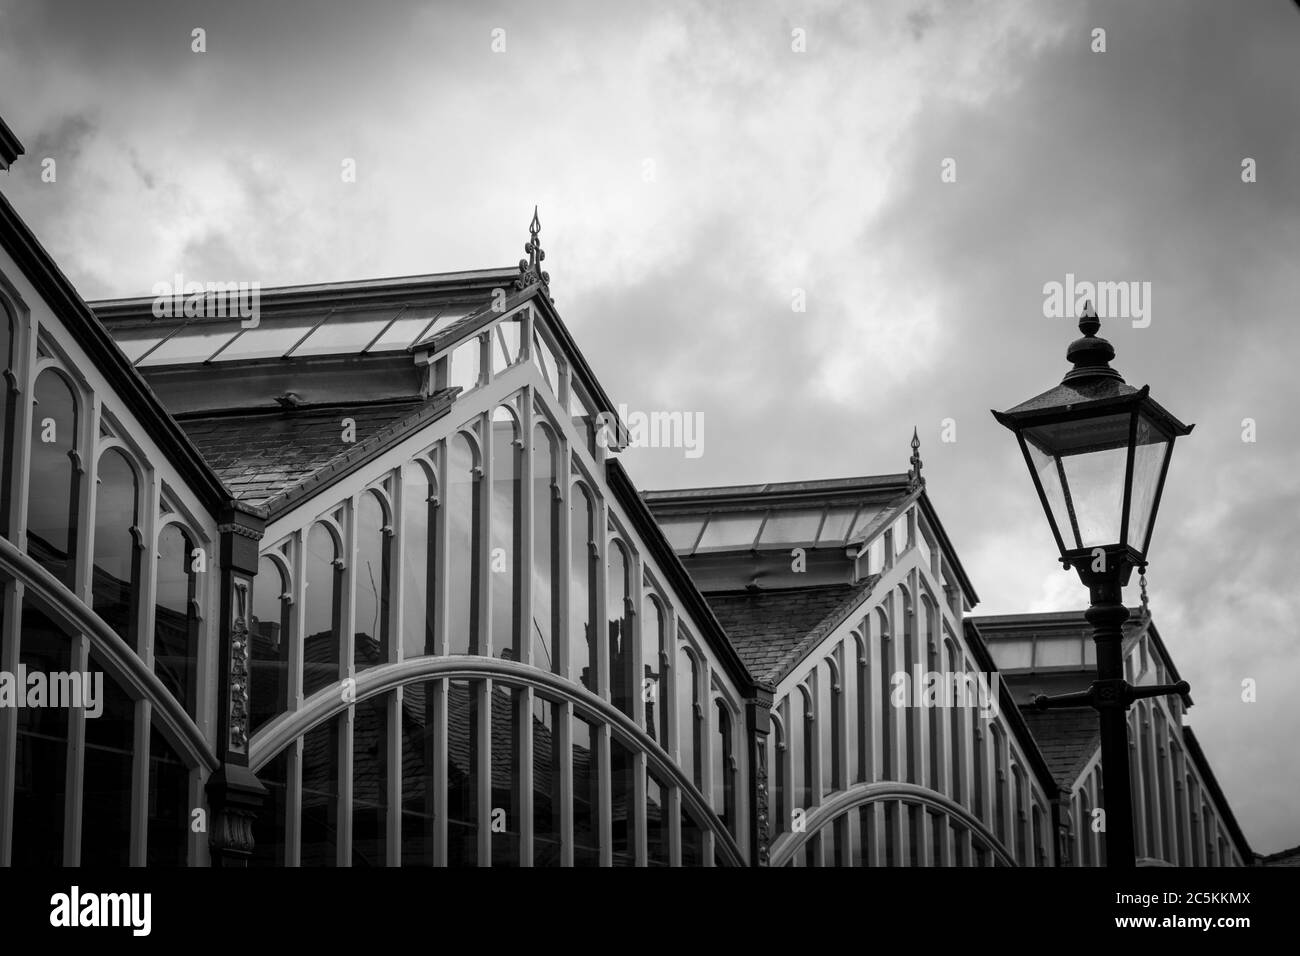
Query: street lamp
[(1098, 450)]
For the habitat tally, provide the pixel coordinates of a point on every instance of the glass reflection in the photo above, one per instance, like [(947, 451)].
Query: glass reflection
[(464, 547), (116, 577), (419, 535), (370, 582), (176, 623), (321, 646), (53, 489)]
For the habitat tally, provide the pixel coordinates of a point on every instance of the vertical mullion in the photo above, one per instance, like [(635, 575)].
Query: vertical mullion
[(347, 670), (79, 660), (524, 560), (442, 538), (604, 789), (393, 811), (12, 623), (564, 553), (524, 770), (564, 729), (293, 804), (482, 690), (439, 690), (640, 847), (483, 640), (346, 724), (138, 854)]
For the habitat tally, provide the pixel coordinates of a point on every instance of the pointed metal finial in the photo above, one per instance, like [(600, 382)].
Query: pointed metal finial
[(914, 479), (1091, 355), (1142, 583), (530, 269)]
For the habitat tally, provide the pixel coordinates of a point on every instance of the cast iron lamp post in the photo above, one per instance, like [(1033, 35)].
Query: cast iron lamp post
[(1098, 450)]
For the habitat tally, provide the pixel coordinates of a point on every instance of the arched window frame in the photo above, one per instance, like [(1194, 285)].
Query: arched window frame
[(138, 530), (83, 405), (354, 581)]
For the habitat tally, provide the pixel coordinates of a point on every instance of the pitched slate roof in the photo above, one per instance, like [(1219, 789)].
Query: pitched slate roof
[(261, 454), (772, 630), (1067, 740)]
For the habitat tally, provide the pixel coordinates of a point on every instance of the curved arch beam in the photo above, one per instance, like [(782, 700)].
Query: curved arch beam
[(327, 703), (122, 662), (787, 844)]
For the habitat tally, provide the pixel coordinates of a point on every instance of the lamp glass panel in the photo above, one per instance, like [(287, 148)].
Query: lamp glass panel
[(1093, 455), (1049, 477), (1153, 445)]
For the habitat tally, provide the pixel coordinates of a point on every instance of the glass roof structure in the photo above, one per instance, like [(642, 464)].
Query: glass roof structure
[(825, 526), (372, 331)]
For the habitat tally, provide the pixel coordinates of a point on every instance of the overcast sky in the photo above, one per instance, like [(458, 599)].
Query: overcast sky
[(694, 169)]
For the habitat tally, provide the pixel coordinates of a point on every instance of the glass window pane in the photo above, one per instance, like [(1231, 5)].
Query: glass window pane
[(623, 823), (175, 622), (135, 342), (370, 584), (582, 599), (463, 771), (545, 360), (1058, 651), (835, 530), (52, 492), (546, 781), (622, 654), (370, 781), (344, 333), (419, 534), (40, 764), (320, 666), (505, 342), (1012, 653), (656, 830), (419, 796), (463, 574), (586, 795), (320, 795), (790, 528), (169, 804), (192, 346), (546, 557), (269, 824), (681, 532), (267, 340), (404, 330), (117, 557), (729, 532), (509, 723), (466, 360), (106, 797), (506, 559), (269, 636), (446, 319)]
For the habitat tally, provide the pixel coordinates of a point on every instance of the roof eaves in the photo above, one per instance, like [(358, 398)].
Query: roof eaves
[(376, 292), (945, 543), (10, 147), (62, 298), (678, 577), (1009, 706), (1198, 756)]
